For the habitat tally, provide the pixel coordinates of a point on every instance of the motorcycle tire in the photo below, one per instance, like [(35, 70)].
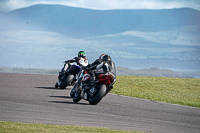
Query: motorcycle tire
[(73, 91), (67, 81), (77, 96), (93, 100), (56, 85)]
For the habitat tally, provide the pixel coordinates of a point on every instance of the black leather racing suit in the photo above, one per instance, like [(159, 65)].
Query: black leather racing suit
[(103, 67)]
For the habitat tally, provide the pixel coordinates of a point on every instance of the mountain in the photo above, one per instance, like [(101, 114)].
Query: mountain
[(78, 22), (43, 36)]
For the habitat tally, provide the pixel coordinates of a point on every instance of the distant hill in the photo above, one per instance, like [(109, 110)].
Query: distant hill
[(79, 22), (43, 36), (154, 72)]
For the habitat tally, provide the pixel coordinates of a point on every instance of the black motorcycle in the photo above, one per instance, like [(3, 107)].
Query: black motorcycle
[(92, 91), (69, 77)]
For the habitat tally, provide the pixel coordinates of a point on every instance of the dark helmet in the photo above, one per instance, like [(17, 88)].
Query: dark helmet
[(106, 58), (81, 54), (101, 56)]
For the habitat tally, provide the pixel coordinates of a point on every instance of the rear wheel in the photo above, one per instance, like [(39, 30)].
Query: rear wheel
[(67, 81), (98, 96)]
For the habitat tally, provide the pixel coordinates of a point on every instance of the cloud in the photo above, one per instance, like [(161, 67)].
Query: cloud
[(8, 5)]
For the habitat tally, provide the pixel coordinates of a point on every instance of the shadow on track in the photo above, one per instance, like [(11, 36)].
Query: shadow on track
[(69, 102), (52, 88), (62, 97), (66, 101)]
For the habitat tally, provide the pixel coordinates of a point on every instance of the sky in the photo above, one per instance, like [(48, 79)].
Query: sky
[(9, 5)]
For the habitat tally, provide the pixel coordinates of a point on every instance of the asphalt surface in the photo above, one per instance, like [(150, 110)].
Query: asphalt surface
[(32, 98)]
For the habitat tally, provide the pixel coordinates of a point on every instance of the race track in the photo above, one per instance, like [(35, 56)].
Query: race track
[(32, 98)]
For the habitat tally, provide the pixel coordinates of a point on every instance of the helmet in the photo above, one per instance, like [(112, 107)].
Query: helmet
[(81, 54), (106, 58), (101, 56)]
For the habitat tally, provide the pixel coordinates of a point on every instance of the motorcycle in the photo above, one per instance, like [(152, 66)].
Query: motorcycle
[(72, 73), (92, 91), (69, 77)]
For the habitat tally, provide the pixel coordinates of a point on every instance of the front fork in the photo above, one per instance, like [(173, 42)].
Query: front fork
[(87, 91)]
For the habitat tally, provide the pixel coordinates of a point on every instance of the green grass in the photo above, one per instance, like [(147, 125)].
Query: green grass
[(183, 91), (16, 127)]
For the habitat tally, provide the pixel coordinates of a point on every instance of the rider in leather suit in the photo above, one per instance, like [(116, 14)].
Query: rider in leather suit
[(81, 60), (103, 65)]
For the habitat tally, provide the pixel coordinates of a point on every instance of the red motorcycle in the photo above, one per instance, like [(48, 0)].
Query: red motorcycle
[(93, 91)]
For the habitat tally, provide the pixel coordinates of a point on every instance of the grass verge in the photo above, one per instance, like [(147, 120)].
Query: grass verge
[(16, 127), (182, 91)]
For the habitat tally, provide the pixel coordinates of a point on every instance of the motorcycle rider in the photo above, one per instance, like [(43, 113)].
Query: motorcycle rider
[(81, 61), (103, 65)]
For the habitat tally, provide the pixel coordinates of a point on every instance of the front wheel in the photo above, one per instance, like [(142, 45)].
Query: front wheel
[(73, 91), (56, 85), (67, 81), (98, 96), (77, 96)]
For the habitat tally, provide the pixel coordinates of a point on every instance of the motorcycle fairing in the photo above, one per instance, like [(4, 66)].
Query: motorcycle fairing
[(75, 69), (105, 79)]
